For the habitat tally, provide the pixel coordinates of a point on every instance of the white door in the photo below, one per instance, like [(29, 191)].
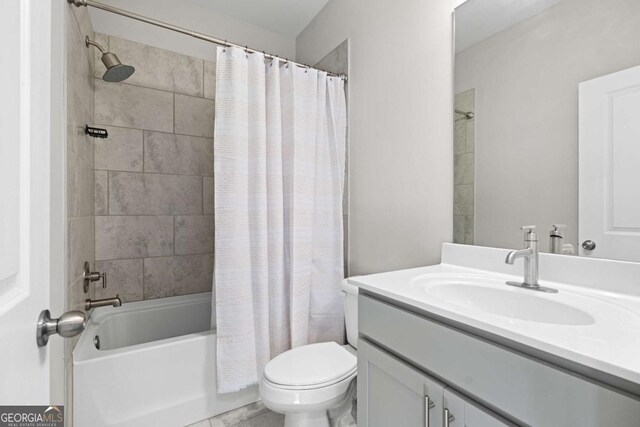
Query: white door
[(25, 131), (609, 212)]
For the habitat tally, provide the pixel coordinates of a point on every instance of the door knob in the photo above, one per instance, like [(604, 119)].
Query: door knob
[(68, 325), (588, 245)]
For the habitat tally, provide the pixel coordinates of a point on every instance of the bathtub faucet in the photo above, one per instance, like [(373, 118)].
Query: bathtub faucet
[(89, 303)]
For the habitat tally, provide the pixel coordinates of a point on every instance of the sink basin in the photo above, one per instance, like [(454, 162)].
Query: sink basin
[(486, 295), (511, 304)]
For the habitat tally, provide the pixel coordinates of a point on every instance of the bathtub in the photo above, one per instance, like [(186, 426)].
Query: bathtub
[(156, 366)]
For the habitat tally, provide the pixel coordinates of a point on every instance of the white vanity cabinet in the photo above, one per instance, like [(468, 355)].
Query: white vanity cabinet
[(392, 393), (462, 412), (406, 355)]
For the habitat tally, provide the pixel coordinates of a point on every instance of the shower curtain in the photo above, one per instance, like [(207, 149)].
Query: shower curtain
[(279, 159)]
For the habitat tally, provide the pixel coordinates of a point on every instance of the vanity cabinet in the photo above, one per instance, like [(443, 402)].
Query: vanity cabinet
[(406, 355), (391, 392)]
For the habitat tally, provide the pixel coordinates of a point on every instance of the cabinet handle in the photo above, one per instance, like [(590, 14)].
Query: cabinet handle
[(428, 404), (448, 417)]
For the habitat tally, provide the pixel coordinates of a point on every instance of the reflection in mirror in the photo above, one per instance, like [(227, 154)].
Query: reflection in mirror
[(547, 100)]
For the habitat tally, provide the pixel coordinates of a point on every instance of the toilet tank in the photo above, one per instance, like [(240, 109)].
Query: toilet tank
[(350, 297)]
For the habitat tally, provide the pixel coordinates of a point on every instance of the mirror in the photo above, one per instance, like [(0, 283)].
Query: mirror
[(547, 125)]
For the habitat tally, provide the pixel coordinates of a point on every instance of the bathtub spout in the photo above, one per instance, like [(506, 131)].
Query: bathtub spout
[(115, 302)]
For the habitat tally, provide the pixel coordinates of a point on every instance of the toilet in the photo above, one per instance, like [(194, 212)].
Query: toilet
[(310, 382)]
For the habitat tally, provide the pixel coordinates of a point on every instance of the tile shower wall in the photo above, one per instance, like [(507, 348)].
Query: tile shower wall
[(154, 174), (79, 171), (337, 61), (79, 156), (464, 170)]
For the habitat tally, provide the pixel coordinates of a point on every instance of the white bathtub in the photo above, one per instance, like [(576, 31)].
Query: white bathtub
[(156, 366)]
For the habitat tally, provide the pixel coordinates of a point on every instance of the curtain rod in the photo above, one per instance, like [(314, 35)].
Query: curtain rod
[(80, 3)]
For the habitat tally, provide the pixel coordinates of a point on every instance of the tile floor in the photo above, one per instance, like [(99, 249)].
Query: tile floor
[(254, 415)]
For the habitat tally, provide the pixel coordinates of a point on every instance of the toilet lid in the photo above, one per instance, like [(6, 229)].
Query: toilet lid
[(314, 364)]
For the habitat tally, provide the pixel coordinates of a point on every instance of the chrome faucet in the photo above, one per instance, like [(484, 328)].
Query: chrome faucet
[(530, 255), (115, 301)]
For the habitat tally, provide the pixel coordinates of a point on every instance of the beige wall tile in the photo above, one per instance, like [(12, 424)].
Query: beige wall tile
[(209, 79), (463, 168), (154, 194), (101, 193), (193, 234), (121, 151), (207, 195), (80, 200), (80, 246), (463, 199), (177, 154), (119, 104), (458, 228), (121, 237), (177, 275), (78, 116), (159, 68), (460, 137), (194, 116), (124, 277)]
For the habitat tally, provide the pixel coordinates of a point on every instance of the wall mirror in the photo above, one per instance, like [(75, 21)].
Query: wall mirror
[(547, 124)]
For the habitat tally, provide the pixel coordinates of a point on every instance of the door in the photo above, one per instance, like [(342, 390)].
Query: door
[(25, 208), (609, 165), (391, 393), (462, 412)]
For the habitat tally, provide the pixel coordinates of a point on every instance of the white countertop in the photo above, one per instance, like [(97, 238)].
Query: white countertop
[(609, 291)]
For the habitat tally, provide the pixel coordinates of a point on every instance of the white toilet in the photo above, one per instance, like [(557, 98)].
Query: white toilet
[(308, 382)]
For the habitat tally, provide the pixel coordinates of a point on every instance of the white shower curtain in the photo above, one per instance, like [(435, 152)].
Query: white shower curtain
[(279, 150)]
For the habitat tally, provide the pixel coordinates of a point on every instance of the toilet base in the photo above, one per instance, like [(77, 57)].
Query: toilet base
[(306, 419)]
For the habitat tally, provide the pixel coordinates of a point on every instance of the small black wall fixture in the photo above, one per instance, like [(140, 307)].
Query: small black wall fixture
[(95, 132)]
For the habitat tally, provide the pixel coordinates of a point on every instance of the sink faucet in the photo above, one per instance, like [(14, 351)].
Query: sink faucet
[(115, 301), (530, 255)]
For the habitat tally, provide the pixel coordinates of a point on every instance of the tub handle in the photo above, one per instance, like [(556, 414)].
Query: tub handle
[(92, 276)]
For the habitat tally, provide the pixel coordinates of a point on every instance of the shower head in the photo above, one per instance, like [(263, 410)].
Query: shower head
[(116, 70)]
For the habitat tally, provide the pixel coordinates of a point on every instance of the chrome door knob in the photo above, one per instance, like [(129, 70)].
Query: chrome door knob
[(68, 325), (588, 245)]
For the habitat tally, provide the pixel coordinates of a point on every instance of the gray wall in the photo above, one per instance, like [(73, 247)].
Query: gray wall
[(154, 174), (400, 132), (526, 80)]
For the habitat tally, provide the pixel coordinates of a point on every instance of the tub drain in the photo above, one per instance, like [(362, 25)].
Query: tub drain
[(96, 342)]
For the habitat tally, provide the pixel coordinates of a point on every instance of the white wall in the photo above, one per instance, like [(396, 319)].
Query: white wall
[(400, 125), (193, 17), (526, 136)]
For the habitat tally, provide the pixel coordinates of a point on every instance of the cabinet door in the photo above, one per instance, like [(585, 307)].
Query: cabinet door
[(462, 412), (392, 393)]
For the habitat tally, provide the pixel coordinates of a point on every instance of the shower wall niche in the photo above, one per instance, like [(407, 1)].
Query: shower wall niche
[(154, 174)]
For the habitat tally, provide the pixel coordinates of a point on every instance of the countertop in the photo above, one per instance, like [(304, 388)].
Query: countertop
[(607, 290)]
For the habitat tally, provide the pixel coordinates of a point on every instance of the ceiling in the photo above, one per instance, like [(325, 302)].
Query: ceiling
[(477, 20), (287, 17)]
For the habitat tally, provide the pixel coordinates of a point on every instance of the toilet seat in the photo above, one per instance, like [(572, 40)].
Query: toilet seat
[(289, 400), (311, 366)]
